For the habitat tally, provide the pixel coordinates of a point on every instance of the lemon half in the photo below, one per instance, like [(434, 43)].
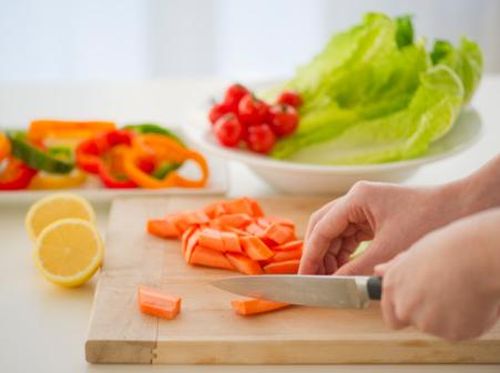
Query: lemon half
[(55, 207), (69, 252)]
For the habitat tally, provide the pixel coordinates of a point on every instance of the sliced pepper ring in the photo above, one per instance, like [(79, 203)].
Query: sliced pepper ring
[(163, 149), (52, 181), (16, 174), (5, 148)]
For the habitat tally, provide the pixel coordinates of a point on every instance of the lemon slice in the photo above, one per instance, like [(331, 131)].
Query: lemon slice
[(55, 207), (69, 252)]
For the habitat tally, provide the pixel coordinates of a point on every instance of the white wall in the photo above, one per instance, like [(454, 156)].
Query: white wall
[(136, 39)]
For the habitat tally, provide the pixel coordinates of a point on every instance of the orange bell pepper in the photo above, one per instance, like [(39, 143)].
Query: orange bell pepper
[(43, 128), (163, 149), (4, 146)]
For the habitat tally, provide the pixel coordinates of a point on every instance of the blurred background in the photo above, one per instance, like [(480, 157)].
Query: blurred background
[(237, 39)]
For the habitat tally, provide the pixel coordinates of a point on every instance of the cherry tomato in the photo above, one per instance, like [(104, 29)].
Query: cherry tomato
[(217, 111), (252, 111), (284, 119), (234, 94), (228, 130), (260, 138), (291, 98)]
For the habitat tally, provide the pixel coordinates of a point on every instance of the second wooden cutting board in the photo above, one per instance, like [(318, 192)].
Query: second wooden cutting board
[(208, 332)]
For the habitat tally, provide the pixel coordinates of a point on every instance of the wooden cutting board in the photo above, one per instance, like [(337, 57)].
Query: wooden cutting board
[(208, 332)]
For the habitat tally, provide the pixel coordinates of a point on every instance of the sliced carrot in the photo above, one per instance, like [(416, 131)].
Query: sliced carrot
[(239, 232), (156, 303), (255, 229), (211, 209), (231, 242), (212, 239), (292, 245), (185, 237), (197, 217), (256, 209), (283, 268), (238, 205), (191, 243), (163, 228), (247, 307), (255, 248), (204, 256), (284, 255), (268, 220), (244, 264), (239, 220), (280, 233)]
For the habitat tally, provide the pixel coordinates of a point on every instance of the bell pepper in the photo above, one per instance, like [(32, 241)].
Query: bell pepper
[(153, 128), (103, 155), (37, 157), (44, 128), (15, 174), (4, 146), (90, 152), (163, 149), (52, 181)]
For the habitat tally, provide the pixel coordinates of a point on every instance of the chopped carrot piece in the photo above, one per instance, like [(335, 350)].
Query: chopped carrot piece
[(191, 243), (247, 307), (211, 209), (244, 264), (163, 228), (204, 256), (238, 205), (212, 239), (256, 209), (255, 248), (283, 268), (269, 220), (239, 232), (292, 245), (239, 220), (196, 217), (231, 242), (284, 255), (255, 229), (156, 303), (185, 237), (280, 233)]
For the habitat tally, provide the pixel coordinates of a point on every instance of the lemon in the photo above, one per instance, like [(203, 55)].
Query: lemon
[(55, 207), (69, 252)]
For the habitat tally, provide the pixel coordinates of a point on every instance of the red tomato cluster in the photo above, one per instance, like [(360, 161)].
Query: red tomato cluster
[(242, 119)]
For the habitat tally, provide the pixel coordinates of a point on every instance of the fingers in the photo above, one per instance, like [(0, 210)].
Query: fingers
[(364, 264), (316, 216), (327, 229), (389, 312)]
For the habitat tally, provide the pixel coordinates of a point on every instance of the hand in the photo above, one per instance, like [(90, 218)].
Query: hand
[(393, 216), (448, 283)]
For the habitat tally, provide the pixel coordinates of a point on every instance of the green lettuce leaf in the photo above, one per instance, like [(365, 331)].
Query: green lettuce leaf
[(401, 135), (466, 60)]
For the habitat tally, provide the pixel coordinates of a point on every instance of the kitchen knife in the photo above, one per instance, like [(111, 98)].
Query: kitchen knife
[(318, 291)]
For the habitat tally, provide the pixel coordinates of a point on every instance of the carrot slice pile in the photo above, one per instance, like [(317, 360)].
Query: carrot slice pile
[(235, 235), (156, 303)]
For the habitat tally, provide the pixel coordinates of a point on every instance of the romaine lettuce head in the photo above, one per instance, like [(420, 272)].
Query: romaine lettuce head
[(400, 135)]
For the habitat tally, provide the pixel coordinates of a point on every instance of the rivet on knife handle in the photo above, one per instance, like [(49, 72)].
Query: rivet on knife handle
[(374, 286)]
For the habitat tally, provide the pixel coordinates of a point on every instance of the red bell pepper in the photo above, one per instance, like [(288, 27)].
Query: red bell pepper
[(102, 155), (15, 175)]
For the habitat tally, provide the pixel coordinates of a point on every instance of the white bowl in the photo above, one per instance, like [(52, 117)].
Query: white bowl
[(301, 178)]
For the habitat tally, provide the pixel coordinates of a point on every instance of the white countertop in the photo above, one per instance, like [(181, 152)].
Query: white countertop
[(43, 327)]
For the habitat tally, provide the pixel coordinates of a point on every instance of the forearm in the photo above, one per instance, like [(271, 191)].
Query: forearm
[(478, 191)]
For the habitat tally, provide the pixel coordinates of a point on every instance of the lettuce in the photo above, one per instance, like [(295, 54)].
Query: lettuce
[(466, 60), (401, 135), (374, 94)]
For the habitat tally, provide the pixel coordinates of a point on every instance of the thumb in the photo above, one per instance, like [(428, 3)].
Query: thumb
[(363, 265)]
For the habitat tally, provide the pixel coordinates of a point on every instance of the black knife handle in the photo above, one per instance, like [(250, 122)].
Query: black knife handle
[(374, 287)]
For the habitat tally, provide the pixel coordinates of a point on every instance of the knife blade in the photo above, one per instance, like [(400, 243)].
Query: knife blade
[(307, 290)]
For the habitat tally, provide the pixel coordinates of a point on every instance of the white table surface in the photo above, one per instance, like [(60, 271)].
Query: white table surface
[(42, 326)]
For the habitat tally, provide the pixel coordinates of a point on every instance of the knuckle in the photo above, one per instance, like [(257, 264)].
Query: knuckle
[(361, 187)]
